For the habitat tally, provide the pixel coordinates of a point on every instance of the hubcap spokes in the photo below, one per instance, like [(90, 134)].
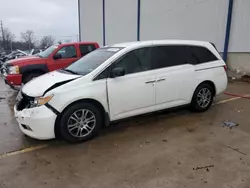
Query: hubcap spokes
[(81, 123), (204, 97)]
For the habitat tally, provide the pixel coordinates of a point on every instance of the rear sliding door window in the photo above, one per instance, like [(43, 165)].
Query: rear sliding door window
[(168, 56), (197, 55)]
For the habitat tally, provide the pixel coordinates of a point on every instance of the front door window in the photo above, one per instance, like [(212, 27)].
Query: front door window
[(136, 61)]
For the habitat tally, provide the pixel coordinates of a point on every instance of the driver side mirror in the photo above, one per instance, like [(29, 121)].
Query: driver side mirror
[(57, 56), (117, 72)]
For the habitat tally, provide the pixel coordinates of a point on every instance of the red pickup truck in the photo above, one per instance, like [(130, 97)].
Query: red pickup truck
[(22, 70)]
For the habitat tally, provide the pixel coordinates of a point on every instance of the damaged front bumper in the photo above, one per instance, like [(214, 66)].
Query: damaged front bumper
[(38, 122)]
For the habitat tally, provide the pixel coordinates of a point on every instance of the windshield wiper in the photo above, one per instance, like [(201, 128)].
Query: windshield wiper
[(72, 72)]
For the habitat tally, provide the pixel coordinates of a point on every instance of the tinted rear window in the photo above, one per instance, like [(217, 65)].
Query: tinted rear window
[(167, 56), (197, 55)]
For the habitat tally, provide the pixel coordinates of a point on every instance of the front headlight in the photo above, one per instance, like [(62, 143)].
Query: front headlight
[(14, 70), (39, 101)]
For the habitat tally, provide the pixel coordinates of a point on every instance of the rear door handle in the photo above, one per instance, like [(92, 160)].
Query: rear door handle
[(161, 79), (150, 82)]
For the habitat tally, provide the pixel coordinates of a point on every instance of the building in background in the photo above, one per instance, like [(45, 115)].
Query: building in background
[(115, 21)]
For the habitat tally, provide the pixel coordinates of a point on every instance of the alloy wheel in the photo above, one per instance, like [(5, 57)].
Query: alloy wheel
[(81, 123), (204, 97)]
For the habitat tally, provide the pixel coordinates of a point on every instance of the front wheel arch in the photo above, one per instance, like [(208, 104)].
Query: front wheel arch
[(105, 116)]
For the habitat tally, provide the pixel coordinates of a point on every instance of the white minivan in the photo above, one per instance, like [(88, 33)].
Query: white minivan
[(120, 81)]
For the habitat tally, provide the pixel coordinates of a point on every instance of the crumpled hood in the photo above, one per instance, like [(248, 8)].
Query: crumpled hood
[(39, 86), (25, 60)]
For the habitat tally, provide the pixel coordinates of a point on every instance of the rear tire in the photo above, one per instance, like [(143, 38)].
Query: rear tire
[(31, 76), (202, 98), (80, 122)]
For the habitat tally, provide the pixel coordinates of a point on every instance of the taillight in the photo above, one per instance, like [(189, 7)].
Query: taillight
[(225, 67)]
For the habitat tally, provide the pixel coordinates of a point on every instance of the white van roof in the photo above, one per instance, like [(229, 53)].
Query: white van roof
[(160, 42)]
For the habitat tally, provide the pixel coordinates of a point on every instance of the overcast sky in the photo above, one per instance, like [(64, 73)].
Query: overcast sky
[(58, 18)]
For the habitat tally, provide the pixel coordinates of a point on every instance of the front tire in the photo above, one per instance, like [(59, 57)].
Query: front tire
[(80, 122), (202, 98)]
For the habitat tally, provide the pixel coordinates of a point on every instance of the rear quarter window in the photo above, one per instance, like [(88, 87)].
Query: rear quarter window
[(197, 55)]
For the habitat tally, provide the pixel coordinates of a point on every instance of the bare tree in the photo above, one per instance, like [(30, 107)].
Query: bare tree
[(46, 41), (9, 38), (2, 36), (6, 37), (28, 38)]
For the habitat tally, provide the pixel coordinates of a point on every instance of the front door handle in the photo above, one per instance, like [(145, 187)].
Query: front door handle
[(150, 82), (161, 79)]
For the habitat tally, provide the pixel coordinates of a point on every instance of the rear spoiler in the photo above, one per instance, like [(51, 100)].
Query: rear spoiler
[(214, 46), (225, 66)]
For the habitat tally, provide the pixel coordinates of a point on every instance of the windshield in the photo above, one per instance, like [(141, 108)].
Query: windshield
[(92, 60), (47, 52)]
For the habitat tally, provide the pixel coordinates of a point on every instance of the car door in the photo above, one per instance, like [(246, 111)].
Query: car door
[(174, 76), (64, 57), (133, 93)]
